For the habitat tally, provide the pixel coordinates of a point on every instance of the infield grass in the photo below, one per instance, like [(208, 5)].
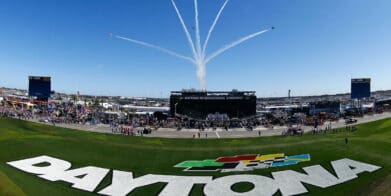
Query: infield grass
[(371, 143)]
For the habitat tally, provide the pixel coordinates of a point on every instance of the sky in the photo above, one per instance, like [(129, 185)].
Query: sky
[(315, 48)]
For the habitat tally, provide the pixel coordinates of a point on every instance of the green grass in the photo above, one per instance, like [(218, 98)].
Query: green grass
[(20, 140), (7, 187)]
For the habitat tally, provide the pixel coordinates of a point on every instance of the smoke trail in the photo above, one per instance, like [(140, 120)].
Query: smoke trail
[(199, 54), (185, 29), (201, 73), (157, 48), (212, 28), (197, 29), (235, 43)]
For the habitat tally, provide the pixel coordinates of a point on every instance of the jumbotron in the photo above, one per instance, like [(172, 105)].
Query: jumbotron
[(222, 105)]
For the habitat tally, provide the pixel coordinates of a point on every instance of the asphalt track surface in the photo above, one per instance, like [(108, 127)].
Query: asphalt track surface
[(221, 133)]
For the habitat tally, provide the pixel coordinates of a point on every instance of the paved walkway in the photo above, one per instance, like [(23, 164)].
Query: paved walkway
[(221, 133)]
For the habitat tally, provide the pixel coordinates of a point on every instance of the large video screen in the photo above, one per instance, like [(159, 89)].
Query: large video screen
[(202, 107), (361, 88), (39, 87)]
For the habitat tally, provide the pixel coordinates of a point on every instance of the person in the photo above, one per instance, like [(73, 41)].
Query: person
[(346, 140), (259, 133), (206, 135)]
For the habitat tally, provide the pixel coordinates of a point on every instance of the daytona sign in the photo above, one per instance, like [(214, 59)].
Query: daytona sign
[(288, 182)]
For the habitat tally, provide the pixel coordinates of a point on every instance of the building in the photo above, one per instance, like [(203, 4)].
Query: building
[(324, 106), (204, 104)]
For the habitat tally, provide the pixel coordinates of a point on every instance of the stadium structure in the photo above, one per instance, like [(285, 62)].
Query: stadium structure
[(39, 87), (360, 88), (213, 104)]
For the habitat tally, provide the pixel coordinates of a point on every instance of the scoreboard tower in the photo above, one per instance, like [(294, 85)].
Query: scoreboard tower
[(40, 87), (360, 88)]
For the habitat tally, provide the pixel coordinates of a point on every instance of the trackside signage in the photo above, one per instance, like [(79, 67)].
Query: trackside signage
[(288, 182)]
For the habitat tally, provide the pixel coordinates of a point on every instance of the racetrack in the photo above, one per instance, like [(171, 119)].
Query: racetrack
[(221, 133)]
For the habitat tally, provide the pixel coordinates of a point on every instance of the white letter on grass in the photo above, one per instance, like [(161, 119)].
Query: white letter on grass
[(290, 182), (29, 165), (85, 178), (347, 169), (222, 186), (124, 183)]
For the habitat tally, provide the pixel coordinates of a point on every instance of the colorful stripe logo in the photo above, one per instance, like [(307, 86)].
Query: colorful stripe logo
[(243, 162)]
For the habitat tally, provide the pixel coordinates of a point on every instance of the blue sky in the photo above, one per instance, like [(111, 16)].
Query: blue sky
[(316, 48)]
